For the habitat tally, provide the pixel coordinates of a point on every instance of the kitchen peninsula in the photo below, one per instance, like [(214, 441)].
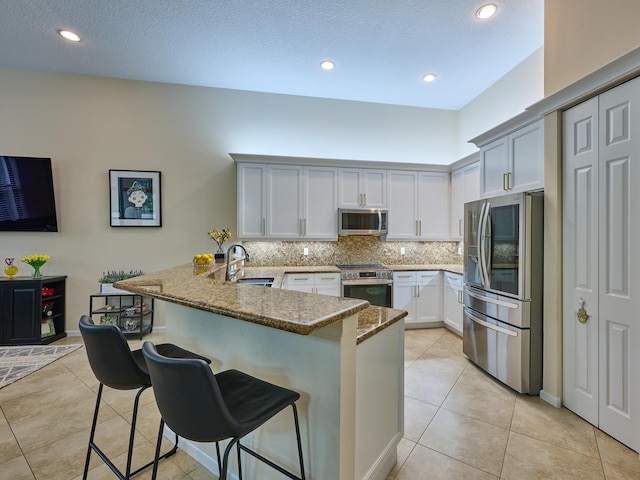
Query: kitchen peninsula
[(343, 356)]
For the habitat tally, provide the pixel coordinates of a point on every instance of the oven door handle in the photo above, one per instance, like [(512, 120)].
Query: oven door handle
[(363, 281), (490, 326)]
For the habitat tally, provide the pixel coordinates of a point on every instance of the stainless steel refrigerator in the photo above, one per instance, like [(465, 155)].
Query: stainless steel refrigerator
[(503, 275)]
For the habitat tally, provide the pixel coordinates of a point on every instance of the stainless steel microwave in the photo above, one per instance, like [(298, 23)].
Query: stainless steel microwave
[(363, 221)]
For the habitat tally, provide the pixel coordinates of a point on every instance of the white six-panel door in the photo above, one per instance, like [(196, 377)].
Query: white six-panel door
[(580, 253), (602, 355), (618, 270)]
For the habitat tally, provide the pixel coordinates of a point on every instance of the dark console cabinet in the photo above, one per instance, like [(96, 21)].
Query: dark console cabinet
[(32, 311)]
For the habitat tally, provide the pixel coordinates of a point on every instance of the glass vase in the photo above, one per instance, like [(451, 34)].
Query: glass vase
[(36, 271)]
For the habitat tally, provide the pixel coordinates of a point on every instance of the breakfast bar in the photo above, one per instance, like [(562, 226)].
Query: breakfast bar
[(344, 356)]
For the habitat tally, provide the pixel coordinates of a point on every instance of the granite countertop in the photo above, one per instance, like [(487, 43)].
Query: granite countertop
[(453, 268), (204, 288), (199, 287)]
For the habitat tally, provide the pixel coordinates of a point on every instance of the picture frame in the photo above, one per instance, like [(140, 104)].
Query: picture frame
[(134, 198)]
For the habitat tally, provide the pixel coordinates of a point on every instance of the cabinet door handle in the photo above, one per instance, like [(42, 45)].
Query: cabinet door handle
[(460, 227), (300, 227), (365, 199), (460, 297), (420, 231), (509, 186), (417, 229), (505, 185), (264, 226), (305, 227)]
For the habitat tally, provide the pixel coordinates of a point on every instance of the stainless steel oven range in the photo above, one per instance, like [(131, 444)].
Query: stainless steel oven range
[(371, 282)]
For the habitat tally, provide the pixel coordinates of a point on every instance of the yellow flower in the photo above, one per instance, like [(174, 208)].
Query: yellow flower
[(37, 259), (220, 236)]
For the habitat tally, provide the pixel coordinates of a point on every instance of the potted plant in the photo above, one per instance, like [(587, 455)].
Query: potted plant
[(108, 278)]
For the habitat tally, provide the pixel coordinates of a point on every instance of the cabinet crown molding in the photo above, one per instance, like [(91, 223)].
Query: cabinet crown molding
[(505, 128), (334, 162)]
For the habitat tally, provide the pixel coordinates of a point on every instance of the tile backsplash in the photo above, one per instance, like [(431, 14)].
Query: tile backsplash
[(352, 249)]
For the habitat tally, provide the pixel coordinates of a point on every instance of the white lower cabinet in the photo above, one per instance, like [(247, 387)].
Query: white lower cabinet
[(320, 283), (452, 302), (420, 294)]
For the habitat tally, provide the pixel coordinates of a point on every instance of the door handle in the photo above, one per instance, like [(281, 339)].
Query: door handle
[(509, 181), (491, 327), (460, 297), (264, 226), (582, 312), (365, 199)]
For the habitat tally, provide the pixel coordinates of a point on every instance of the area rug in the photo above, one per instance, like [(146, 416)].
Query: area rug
[(18, 362)]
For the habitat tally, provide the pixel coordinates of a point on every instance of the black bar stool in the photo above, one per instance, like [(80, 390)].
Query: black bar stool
[(116, 366), (203, 407)]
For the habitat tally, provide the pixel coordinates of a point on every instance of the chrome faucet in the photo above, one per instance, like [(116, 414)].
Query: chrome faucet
[(227, 275)]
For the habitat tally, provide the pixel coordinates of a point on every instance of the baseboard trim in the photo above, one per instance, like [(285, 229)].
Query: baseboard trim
[(551, 399), (76, 333)]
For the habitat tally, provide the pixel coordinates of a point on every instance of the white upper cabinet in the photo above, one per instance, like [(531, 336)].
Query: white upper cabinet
[(287, 202), (320, 217), (362, 188), (284, 201), (418, 205), (252, 200), (513, 163), (465, 187)]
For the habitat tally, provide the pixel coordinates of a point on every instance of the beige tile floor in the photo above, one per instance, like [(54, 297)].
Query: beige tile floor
[(459, 424)]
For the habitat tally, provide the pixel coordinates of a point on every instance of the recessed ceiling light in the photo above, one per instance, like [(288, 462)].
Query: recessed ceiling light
[(69, 35), (486, 11), (429, 77), (327, 65)]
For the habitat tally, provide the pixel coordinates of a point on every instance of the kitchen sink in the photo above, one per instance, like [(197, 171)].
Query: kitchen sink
[(262, 282)]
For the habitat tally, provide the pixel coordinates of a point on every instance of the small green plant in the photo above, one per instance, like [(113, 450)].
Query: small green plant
[(113, 276)]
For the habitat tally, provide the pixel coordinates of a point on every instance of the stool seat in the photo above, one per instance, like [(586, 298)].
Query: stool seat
[(116, 366), (250, 400)]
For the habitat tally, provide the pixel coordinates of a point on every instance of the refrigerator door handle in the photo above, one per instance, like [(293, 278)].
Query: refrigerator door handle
[(491, 300), (482, 245), (488, 236), (479, 243), (490, 326)]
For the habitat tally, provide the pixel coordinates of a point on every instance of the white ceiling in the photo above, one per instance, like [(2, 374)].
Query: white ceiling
[(381, 47)]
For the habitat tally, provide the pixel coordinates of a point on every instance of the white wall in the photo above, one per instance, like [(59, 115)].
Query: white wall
[(508, 97), (582, 35), (89, 125)]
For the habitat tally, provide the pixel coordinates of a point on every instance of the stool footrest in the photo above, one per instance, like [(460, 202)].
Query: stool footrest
[(268, 462)]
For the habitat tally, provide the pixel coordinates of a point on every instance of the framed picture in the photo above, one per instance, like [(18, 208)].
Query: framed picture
[(134, 198)]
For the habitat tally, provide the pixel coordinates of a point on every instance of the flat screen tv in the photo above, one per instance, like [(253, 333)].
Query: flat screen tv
[(27, 202)]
